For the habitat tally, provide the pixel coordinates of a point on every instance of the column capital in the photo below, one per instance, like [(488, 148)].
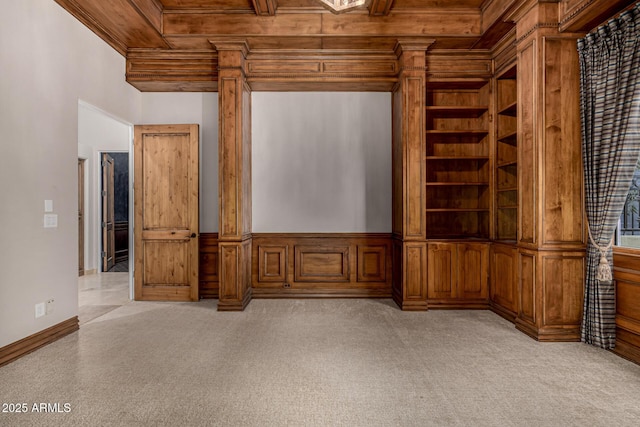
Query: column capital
[(231, 44)]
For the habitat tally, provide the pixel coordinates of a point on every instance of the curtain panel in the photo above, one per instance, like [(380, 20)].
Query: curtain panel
[(610, 104)]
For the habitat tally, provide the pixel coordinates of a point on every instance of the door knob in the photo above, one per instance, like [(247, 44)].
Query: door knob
[(193, 235)]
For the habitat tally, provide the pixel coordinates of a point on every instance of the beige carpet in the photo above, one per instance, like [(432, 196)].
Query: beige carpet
[(316, 363)]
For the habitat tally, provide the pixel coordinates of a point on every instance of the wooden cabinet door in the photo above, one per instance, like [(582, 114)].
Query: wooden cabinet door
[(166, 212), (441, 270), (473, 268), (503, 276)]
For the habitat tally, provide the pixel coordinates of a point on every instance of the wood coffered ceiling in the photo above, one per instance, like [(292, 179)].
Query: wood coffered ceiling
[(169, 45)]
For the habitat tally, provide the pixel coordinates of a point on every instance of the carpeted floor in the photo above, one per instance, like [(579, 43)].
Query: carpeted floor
[(358, 362)]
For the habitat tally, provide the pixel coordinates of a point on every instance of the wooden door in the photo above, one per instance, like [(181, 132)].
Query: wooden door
[(108, 214), (80, 217), (166, 212)]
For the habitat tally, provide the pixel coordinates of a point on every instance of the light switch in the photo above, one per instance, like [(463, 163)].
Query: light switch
[(50, 221), (48, 205)]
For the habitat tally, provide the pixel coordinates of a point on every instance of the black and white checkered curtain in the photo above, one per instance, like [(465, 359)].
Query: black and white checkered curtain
[(610, 101)]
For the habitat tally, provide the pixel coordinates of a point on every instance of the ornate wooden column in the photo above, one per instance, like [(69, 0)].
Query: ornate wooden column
[(234, 176), (551, 228), (409, 231)]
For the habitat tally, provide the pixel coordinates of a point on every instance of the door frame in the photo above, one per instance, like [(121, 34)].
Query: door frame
[(92, 193)]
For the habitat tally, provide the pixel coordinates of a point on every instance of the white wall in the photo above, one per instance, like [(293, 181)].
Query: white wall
[(97, 132), (200, 108), (321, 162), (49, 61)]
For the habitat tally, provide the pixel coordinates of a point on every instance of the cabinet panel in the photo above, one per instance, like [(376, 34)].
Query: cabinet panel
[(527, 287), (503, 279), (527, 159), (458, 274), (473, 266), (441, 270)]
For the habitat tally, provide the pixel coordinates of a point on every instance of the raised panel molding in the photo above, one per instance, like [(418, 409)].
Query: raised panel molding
[(372, 263), (321, 265), (626, 273), (209, 262), (551, 294), (272, 262)]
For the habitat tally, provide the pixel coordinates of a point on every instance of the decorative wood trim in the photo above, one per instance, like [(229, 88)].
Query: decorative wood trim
[(170, 70), (321, 265), (626, 273), (94, 25), (584, 15), (14, 351), (265, 7), (209, 264), (536, 27)]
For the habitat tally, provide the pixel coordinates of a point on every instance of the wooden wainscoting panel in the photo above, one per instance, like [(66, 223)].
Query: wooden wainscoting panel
[(372, 263), (209, 280), (14, 351), (321, 265), (626, 273), (272, 263)]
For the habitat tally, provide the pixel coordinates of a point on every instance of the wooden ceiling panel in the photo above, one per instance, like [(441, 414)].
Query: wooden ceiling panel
[(122, 20), (435, 24), (436, 4), (210, 24), (208, 4), (167, 42)]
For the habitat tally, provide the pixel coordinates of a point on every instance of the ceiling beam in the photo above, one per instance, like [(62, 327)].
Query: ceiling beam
[(466, 22)]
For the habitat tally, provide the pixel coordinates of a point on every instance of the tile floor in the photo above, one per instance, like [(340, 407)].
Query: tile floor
[(101, 293)]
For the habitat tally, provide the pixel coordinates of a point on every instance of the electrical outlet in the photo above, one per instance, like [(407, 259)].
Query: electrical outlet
[(49, 309), (40, 310)]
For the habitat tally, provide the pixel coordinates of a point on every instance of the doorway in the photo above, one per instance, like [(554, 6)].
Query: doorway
[(115, 212), (81, 217)]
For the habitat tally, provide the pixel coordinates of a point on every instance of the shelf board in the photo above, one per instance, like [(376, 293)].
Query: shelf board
[(506, 189), (457, 158), (459, 84), (456, 184), (510, 138), (507, 164), (460, 132), (510, 110), (454, 111), (456, 210)]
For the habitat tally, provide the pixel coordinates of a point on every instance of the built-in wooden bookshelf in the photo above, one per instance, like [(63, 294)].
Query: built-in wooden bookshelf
[(458, 159), (506, 159)]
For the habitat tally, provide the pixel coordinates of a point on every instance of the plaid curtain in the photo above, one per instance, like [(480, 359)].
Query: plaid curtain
[(610, 103)]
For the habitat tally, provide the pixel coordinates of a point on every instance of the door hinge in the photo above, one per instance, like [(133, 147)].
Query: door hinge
[(104, 193), (104, 225), (103, 163), (103, 254)]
